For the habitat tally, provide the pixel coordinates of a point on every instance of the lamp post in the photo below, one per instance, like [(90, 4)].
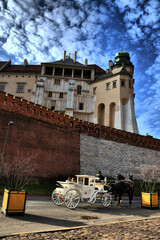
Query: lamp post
[(4, 150)]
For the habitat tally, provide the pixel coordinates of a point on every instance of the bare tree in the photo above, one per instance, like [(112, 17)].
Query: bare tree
[(150, 176), (18, 172)]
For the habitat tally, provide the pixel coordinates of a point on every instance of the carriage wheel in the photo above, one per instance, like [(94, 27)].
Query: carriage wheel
[(106, 199), (57, 197), (72, 198)]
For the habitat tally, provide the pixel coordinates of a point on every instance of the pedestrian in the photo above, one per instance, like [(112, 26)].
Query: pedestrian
[(69, 179)]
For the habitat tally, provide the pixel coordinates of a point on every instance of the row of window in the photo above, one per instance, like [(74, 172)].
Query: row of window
[(60, 94), (67, 72), (79, 91), (80, 106), (79, 88), (20, 87), (114, 85), (108, 85)]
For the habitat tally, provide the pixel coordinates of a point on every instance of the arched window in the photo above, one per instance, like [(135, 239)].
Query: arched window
[(124, 113), (101, 113), (79, 89), (112, 115)]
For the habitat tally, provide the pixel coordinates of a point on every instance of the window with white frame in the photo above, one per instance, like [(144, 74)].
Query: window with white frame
[(20, 87), (61, 95), (2, 87), (50, 94), (79, 89), (80, 106), (94, 90), (57, 81), (53, 105), (114, 84), (107, 86)]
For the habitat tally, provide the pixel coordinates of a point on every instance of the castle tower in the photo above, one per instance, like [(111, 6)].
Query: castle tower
[(113, 93)]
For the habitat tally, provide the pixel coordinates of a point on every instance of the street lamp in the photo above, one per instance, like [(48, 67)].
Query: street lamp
[(4, 151)]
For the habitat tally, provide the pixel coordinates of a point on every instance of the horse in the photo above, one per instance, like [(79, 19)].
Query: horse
[(122, 186)]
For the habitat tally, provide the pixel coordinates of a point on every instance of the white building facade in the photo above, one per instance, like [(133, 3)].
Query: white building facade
[(89, 93)]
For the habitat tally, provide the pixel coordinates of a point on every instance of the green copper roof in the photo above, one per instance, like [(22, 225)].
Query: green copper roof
[(122, 54), (122, 58)]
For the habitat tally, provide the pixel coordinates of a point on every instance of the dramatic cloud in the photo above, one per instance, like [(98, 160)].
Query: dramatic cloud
[(40, 30)]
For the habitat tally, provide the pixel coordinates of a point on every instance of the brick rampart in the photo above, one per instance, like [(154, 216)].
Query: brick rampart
[(56, 150), (30, 110)]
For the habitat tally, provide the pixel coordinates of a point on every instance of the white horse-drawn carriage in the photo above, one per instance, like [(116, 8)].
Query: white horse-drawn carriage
[(86, 188)]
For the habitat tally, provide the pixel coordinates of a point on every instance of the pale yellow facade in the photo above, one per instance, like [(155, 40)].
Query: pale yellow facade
[(113, 95), (105, 96), (20, 85)]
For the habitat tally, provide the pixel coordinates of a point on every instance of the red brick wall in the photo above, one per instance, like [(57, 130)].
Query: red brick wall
[(57, 148), (24, 108)]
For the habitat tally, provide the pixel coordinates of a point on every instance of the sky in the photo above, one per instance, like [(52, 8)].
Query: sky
[(40, 30)]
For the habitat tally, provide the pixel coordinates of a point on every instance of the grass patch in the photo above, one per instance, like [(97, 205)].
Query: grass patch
[(45, 188), (42, 188), (37, 188)]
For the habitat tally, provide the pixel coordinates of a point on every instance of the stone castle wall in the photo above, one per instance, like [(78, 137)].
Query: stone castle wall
[(112, 157)]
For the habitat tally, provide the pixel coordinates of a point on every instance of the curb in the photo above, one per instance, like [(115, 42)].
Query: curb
[(78, 227)]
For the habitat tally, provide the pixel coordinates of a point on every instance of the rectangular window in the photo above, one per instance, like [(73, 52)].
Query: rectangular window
[(79, 89), (58, 71), (80, 180), (114, 84), (80, 106), (94, 90), (67, 72), (57, 81), (49, 70), (20, 87), (77, 73), (2, 87), (86, 181), (122, 83), (50, 94), (53, 105), (61, 95), (87, 74), (107, 86)]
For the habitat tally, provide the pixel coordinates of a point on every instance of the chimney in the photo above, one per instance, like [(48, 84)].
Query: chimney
[(86, 61), (110, 65), (75, 54), (25, 62), (64, 55)]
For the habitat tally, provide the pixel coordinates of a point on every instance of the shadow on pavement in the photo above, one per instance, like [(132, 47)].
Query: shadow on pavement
[(125, 209), (47, 220)]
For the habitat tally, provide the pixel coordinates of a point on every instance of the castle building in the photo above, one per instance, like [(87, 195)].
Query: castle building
[(114, 95), (19, 80), (83, 91)]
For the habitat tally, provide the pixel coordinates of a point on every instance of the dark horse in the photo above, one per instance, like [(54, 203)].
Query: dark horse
[(122, 186)]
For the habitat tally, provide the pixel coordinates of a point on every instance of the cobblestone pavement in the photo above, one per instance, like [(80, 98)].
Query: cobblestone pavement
[(137, 230)]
